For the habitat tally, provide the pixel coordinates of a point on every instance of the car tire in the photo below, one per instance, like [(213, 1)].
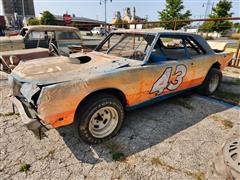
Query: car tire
[(211, 82), (99, 118)]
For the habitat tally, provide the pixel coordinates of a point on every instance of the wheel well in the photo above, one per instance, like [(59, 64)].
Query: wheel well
[(115, 92), (216, 65)]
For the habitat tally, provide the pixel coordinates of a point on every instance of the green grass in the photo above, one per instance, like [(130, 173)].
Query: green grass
[(25, 168), (118, 156), (115, 150), (227, 96)]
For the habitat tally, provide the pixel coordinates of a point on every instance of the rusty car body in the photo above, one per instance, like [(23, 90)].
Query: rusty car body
[(10, 59), (40, 36), (127, 70)]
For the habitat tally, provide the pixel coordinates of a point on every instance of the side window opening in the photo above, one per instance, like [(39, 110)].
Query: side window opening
[(62, 35), (36, 35), (175, 48)]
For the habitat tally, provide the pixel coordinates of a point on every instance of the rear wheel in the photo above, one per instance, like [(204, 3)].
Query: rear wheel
[(99, 118), (211, 82)]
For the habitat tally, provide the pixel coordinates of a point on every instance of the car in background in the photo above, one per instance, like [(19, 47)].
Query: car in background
[(129, 69), (30, 37), (98, 31)]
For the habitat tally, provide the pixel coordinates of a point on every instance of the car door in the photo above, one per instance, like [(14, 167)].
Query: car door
[(169, 70)]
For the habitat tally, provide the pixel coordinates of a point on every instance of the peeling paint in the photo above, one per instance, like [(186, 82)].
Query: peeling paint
[(66, 81)]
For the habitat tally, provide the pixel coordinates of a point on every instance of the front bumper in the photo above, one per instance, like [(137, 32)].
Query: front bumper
[(31, 121)]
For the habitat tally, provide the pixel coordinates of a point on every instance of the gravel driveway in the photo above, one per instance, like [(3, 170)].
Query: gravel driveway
[(173, 139)]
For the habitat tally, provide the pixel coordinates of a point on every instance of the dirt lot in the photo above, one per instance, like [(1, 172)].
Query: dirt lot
[(174, 139)]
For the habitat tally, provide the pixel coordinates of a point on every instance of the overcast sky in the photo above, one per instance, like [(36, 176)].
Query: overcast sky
[(92, 8)]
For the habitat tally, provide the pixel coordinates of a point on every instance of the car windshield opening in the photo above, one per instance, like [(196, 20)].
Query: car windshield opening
[(128, 45)]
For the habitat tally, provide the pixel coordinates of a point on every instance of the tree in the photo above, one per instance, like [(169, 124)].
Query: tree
[(33, 21), (221, 10), (48, 18), (173, 11)]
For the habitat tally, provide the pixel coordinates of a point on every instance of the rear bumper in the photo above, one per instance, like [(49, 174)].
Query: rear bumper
[(31, 122)]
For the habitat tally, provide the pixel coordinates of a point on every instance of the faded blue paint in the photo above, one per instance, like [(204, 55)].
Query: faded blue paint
[(157, 99)]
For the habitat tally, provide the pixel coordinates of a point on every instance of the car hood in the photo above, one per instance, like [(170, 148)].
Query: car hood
[(61, 69)]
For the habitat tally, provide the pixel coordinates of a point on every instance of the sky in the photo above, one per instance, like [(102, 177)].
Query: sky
[(93, 9)]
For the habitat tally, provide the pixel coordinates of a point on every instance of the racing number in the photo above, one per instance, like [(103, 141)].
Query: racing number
[(164, 81)]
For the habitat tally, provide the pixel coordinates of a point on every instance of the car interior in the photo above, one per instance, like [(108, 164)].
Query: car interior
[(175, 48)]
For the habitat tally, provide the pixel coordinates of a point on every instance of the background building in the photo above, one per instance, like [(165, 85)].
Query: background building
[(16, 10), (128, 17), (83, 23)]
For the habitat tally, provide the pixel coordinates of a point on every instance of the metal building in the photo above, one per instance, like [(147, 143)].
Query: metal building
[(16, 10)]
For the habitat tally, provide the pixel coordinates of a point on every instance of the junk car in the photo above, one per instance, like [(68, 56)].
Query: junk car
[(129, 69), (41, 36)]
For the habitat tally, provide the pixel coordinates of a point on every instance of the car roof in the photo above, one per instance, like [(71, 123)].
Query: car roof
[(170, 33), (154, 31), (51, 28)]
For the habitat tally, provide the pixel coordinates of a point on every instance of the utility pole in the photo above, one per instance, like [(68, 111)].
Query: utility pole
[(208, 6), (105, 9), (23, 9)]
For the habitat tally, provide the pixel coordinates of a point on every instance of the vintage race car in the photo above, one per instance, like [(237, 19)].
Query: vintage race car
[(128, 69)]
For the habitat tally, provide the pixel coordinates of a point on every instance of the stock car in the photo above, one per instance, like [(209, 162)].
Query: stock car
[(128, 69)]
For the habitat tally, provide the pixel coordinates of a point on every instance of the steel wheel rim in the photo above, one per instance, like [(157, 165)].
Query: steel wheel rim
[(103, 122), (213, 84)]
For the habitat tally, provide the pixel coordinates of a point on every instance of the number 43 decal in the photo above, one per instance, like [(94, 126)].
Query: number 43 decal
[(164, 81)]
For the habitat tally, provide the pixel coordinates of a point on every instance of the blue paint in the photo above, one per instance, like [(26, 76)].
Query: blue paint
[(157, 99), (160, 98)]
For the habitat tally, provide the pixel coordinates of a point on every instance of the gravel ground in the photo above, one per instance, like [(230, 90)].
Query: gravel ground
[(173, 139)]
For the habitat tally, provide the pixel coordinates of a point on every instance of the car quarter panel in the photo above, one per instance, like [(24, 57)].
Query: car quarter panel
[(57, 103)]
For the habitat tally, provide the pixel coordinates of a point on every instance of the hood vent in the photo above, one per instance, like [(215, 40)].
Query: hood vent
[(84, 59)]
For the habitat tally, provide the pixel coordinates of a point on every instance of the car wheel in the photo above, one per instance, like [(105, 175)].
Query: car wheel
[(99, 118), (211, 82)]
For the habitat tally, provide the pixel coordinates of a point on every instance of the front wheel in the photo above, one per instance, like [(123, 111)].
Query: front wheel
[(211, 82), (99, 118)]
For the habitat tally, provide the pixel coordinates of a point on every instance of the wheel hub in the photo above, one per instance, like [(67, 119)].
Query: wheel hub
[(213, 84), (103, 122)]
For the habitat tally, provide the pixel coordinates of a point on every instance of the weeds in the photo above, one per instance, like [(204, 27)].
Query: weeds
[(115, 150), (25, 168), (226, 123), (7, 114), (196, 175)]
